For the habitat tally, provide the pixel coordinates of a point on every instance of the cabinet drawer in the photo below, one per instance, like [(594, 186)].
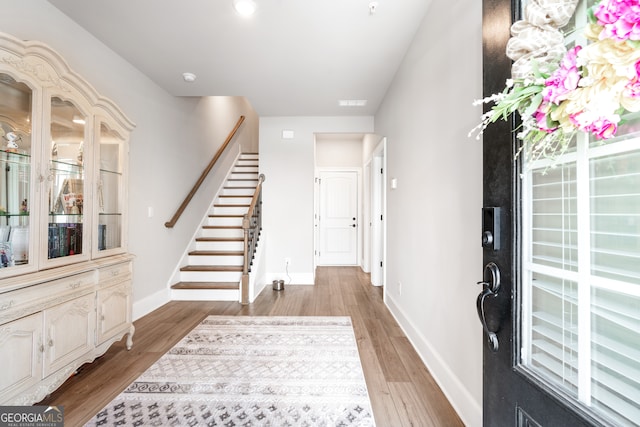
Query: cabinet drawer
[(25, 301), (113, 274)]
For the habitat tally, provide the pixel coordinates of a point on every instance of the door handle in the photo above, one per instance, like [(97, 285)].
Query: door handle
[(491, 285)]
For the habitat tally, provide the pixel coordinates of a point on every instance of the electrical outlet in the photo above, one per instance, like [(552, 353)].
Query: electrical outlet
[(287, 261), (399, 288)]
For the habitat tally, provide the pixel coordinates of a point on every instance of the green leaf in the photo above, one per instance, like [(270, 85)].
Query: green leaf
[(533, 105)]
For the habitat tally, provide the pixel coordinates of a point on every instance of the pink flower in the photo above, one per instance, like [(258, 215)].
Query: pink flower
[(564, 80), (600, 127), (604, 129), (632, 89), (619, 18), (541, 117)]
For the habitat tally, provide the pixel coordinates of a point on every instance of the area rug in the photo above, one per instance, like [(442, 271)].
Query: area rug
[(251, 371)]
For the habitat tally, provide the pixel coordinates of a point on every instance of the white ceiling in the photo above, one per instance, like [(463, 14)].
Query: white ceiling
[(291, 58)]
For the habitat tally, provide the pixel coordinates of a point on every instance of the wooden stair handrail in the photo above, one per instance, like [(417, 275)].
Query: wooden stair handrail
[(185, 202)]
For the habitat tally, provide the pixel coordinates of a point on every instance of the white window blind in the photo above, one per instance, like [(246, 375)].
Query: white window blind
[(581, 275)]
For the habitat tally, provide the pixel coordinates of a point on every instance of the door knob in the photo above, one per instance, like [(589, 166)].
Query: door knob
[(491, 286)]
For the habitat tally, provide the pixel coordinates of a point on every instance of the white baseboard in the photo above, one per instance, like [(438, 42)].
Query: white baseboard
[(468, 409), (148, 304)]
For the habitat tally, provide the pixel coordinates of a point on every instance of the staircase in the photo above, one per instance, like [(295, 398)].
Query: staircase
[(213, 269)]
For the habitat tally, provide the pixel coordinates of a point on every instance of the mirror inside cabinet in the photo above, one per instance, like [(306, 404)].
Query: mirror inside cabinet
[(15, 170)]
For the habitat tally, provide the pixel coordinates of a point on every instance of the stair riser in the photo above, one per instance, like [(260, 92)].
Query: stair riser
[(215, 260), (245, 169), (250, 183), (240, 175), (233, 200), (221, 232), (225, 221), (210, 276), (219, 246), (247, 192), (205, 295), (228, 210), (249, 166)]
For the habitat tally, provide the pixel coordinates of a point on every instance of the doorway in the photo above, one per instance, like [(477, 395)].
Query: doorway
[(364, 154)]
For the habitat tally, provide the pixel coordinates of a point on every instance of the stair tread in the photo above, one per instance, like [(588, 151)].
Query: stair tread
[(229, 206), (206, 285), (226, 216), (212, 268), (216, 253), (223, 227), (220, 239)]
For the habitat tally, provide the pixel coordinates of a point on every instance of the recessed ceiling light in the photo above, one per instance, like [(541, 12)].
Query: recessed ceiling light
[(189, 77), (352, 102), (245, 7)]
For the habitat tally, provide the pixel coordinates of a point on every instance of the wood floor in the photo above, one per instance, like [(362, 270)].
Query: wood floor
[(402, 391)]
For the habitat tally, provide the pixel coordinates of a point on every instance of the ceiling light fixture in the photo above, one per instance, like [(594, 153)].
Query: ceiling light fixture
[(373, 7), (245, 7), (189, 77)]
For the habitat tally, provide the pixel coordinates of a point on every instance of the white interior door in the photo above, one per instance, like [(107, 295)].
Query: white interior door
[(338, 218)]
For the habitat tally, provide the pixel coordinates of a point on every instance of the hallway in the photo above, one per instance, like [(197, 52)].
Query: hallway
[(402, 391)]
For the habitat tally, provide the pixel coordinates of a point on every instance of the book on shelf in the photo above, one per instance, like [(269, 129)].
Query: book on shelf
[(64, 239)]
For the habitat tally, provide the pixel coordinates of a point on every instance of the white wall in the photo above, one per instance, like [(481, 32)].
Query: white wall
[(289, 188), (339, 153), (173, 141), (434, 215)]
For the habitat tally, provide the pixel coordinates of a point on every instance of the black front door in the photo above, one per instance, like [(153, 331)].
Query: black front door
[(511, 395)]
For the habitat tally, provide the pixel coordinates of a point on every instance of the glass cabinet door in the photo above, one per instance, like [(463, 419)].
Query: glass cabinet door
[(66, 176), (15, 173), (110, 191)]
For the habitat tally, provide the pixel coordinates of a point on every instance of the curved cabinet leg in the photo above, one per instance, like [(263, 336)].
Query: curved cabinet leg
[(132, 329)]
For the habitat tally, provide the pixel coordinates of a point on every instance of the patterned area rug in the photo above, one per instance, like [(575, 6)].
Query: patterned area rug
[(251, 371)]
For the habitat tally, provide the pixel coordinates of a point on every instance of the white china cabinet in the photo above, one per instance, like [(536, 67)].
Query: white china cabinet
[(65, 274)]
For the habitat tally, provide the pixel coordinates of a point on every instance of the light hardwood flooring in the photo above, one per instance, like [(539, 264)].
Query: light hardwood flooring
[(401, 389)]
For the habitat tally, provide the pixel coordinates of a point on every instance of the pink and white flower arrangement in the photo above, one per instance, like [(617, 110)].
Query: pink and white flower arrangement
[(588, 90)]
